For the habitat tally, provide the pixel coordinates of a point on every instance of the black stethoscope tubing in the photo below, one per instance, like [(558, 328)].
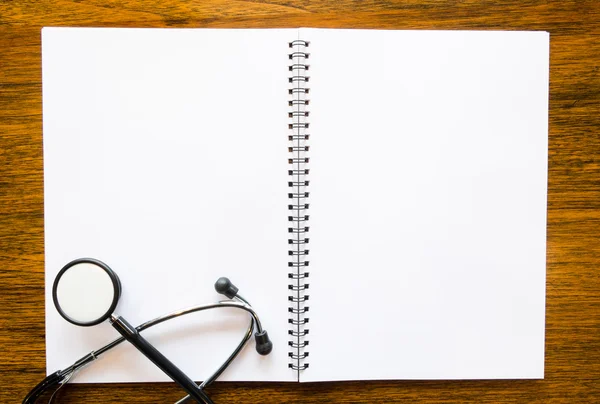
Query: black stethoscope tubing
[(242, 304)]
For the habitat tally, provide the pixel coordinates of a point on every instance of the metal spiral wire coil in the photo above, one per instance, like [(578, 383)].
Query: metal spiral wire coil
[(298, 195)]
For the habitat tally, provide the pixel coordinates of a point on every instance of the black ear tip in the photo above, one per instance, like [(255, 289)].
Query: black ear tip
[(224, 286), (264, 346), (264, 349)]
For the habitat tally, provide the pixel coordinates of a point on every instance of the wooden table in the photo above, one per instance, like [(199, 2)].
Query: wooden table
[(573, 276)]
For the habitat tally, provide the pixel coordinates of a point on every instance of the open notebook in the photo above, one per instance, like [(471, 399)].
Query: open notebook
[(384, 190)]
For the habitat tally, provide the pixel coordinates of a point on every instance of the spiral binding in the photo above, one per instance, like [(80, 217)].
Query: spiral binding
[(298, 195)]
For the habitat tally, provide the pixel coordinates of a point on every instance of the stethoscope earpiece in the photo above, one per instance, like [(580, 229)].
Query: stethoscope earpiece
[(264, 346), (224, 286)]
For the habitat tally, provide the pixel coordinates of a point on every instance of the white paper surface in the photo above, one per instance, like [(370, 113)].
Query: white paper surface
[(165, 157), (428, 204)]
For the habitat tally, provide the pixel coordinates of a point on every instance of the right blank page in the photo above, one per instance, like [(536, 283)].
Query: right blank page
[(427, 204)]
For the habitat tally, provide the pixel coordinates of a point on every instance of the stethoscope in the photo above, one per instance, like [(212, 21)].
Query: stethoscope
[(86, 292)]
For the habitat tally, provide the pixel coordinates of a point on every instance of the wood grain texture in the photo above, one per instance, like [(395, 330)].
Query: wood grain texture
[(573, 261)]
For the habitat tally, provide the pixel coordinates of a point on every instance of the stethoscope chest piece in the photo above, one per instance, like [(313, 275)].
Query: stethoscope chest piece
[(86, 292)]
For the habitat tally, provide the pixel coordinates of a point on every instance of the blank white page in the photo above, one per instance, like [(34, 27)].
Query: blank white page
[(427, 205), (165, 157)]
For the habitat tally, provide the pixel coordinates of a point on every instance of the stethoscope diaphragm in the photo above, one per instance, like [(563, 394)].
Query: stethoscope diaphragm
[(86, 292)]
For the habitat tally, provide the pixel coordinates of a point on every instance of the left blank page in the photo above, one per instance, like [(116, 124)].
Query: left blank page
[(163, 157)]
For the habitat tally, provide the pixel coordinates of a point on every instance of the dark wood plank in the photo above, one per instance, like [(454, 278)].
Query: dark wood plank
[(573, 283)]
